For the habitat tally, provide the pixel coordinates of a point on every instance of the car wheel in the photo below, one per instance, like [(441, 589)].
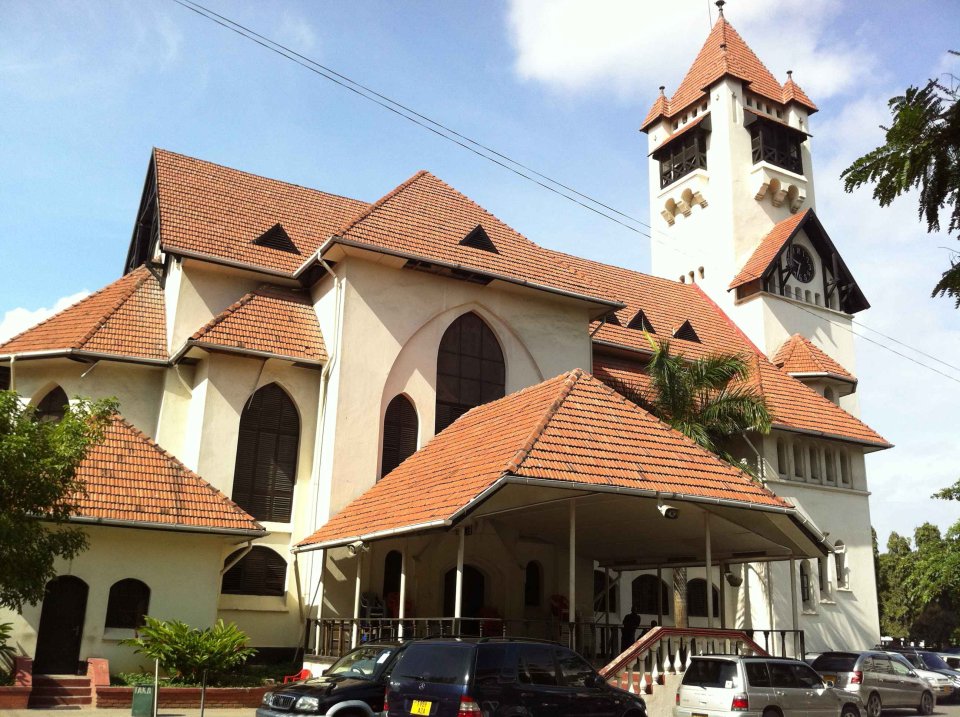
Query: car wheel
[(874, 706), (771, 713), (926, 704), (850, 711)]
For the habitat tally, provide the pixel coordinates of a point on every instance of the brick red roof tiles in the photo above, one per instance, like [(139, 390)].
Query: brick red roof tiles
[(269, 320), (218, 212), (799, 355), (769, 249), (130, 479), (571, 429), (126, 319), (725, 53), (425, 217)]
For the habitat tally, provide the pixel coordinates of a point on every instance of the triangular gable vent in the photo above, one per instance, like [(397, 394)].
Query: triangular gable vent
[(276, 237), (479, 239), (641, 322), (686, 333)]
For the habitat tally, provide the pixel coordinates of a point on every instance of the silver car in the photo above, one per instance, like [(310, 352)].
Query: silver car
[(877, 680), (758, 687), (943, 686)]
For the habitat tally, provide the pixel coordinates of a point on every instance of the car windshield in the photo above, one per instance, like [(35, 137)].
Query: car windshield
[(835, 662), (711, 673), (362, 662), (933, 661)]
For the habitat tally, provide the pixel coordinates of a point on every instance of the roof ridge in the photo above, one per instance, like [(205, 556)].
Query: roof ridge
[(140, 281), (380, 202), (572, 378)]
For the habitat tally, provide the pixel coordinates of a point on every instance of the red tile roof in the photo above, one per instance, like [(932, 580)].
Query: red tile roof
[(725, 53), (667, 304), (799, 355), (218, 212), (571, 430), (126, 319), (269, 320), (130, 479), (768, 249), (682, 131), (426, 218)]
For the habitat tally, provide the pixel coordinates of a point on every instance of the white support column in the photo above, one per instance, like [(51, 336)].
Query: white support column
[(770, 614), (723, 595), (401, 608), (709, 569), (659, 596), (573, 572), (320, 560), (608, 633), (355, 635), (458, 598), (794, 607)]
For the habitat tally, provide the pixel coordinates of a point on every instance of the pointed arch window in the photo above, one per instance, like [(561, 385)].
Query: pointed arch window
[(262, 571), (127, 604), (53, 406), (645, 597), (470, 369), (267, 449), (697, 598), (400, 428)]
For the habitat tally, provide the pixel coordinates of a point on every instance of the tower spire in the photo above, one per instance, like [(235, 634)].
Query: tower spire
[(720, 4)]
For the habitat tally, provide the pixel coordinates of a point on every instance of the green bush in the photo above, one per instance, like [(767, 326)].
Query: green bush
[(246, 676), (7, 653), (185, 653)]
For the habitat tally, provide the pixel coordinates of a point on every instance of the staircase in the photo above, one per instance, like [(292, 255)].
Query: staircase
[(61, 691)]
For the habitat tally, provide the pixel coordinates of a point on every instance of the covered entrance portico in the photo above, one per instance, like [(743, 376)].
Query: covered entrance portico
[(611, 490)]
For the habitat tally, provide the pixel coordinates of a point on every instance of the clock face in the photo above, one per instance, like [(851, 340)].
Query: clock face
[(801, 264)]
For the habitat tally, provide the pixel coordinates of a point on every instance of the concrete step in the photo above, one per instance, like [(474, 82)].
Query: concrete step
[(61, 701), (58, 691), (61, 681)]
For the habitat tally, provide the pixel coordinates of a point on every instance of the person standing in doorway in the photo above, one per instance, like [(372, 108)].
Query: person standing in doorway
[(628, 633)]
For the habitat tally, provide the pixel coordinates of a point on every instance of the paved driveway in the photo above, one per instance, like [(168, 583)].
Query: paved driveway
[(950, 709)]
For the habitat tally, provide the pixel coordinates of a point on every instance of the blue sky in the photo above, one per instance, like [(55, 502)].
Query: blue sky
[(88, 88)]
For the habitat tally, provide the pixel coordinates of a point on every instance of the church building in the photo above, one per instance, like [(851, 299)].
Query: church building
[(342, 420)]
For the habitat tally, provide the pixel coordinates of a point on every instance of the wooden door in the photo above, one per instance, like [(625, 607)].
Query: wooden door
[(61, 626)]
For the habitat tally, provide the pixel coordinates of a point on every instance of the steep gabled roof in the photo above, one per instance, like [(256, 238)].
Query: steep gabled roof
[(799, 355), (425, 219), (725, 53), (571, 430), (769, 249), (126, 319), (218, 213), (270, 320), (129, 479)]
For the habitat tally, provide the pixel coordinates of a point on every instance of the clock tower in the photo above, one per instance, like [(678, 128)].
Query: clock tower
[(733, 207)]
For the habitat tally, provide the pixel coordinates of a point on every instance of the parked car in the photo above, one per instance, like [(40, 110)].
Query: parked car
[(929, 660), (501, 677), (877, 680), (353, 686), (755, 686), (943, 685), (952, 660)]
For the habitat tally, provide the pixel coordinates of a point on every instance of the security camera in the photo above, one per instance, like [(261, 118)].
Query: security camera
[(668, 511), (357, 546)]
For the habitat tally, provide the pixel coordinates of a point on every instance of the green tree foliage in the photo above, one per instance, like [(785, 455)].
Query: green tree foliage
[(38, 491), (921, 151), (949, 493), (185, 653), (7, 651)]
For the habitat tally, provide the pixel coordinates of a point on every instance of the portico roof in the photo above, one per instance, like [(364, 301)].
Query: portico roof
[(568, 436)]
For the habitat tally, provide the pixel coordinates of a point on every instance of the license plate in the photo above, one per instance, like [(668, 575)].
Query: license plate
[(699, 714), (946, 690), (422, 707), (830, 678)]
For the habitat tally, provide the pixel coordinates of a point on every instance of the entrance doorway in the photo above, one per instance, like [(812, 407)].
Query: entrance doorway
[(61, 626), (474, 592)]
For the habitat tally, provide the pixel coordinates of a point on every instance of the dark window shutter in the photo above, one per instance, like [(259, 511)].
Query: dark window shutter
[(686, 333), (4, 378), (261, 572), (479, 239), (267, 448), (127, 604), (644, 590), (641, 323), (276, 237), (399, 433), (470, 369), (53, 406)]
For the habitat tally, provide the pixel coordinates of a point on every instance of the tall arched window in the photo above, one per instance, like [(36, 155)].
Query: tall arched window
[(645, 597), (840, 556), (782, 467), (53, 405), (697, 598), (533, 585), (806, 591), (129, 601), (260, 572), (470, 369), (399, 433), (267, 447)]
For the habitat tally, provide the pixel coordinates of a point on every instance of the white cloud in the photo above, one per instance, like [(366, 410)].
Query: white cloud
[(295, 32), (17, 320), (631, 48)]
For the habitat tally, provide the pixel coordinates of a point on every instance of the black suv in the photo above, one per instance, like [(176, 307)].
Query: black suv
[(353, 686), (501, 677)]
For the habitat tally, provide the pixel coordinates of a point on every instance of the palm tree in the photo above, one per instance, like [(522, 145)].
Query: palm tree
[(707, 400)]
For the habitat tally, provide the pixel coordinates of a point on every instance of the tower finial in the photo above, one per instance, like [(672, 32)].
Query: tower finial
[(720, 4), (789, 75), (662, 88)]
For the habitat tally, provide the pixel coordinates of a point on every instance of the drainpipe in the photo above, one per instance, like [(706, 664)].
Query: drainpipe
[(13, 373)]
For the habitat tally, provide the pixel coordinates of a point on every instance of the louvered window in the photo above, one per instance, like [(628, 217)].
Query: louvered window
[(686, 332), (4, 378), (53, 406), (697, 598), (479, 239), (129, 601), (470, 369), (260, 572), (641, 322), (399, 433), (267, 448), (276, 237), (645, 597)]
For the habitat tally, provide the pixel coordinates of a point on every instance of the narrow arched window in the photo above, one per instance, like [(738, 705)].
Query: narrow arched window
[(830, 460), (782, 467), (797, 460), (806, 594), (840, 556), (470, 369), (533, 585), (697, 598), (399, 433), (814, 463), (645, 597), (844, 468), (127, 604), (266, 468), (262, 571), (53, 406)]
